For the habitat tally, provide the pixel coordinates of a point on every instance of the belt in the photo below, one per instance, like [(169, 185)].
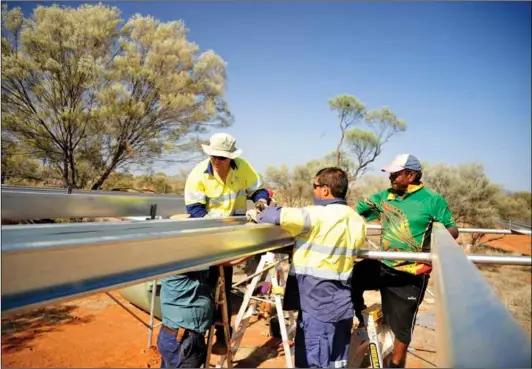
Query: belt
[(179, 333)]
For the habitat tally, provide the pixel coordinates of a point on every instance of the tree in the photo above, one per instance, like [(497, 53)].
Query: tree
[(292, 187), (515, 206), (350, 111), (367, 186), (364, 145), (91, 96), (472, 197)]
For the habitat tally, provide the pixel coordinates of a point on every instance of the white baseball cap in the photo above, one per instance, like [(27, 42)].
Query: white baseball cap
[(222, 144), (401, 162)]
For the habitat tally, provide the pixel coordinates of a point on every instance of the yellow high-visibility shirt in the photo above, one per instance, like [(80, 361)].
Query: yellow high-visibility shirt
[(204, 186), (326, 242), (327, 239)]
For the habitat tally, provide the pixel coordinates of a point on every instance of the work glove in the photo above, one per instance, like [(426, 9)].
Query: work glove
[(261, 204), (251, 215), (278, 290)]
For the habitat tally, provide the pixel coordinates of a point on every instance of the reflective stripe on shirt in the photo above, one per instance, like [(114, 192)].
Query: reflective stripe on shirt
[(221, 199)]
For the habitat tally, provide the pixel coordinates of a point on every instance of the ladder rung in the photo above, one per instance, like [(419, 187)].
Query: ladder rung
[(237, 335)]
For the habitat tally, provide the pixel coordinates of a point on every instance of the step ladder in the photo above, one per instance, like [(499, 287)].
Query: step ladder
[(376, 336), (220, 299), (271, 264)]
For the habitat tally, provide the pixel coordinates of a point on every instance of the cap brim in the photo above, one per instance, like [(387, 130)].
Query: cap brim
[(392, 168), (225, 154)]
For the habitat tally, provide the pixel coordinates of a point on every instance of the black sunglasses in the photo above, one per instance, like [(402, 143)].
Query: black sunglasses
[(222, 158), (318, 185), (397, 174)]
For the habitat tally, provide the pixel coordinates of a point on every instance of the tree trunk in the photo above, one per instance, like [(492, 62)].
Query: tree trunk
[(99, 183), (65, 171), (72, 165), (338, 151)]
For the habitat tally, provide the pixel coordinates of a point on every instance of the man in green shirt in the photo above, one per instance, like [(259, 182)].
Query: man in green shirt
[(406, 212)]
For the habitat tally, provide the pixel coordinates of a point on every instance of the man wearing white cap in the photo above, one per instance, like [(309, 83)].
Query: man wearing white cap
[(219, 187), (406, 212)]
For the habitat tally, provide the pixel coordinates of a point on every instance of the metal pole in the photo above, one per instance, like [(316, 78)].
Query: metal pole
[(426, 257), (258, 273), (500, 259), (377, 247), (126, 309), (378, 227), (152, 308)]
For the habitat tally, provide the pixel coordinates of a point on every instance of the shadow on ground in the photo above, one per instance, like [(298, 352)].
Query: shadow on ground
[(19, 331), (269, 350)]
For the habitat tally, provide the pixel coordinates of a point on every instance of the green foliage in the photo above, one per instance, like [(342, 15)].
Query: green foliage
[(90, 94), (364, 145), (367, 186), (348, 108), (472, 197), (516, 206)]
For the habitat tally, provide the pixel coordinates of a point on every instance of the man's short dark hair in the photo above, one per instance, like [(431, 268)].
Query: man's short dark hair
[(334, 178), (418, 176)]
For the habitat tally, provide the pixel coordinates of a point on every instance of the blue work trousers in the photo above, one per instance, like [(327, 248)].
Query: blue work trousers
[(321, 345), (191, 352)]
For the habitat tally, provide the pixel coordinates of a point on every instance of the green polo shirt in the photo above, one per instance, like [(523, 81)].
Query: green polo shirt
[(186, 301), (407, 222)]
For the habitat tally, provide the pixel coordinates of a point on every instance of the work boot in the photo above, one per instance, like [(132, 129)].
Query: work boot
[(220, 346), (394, 365)]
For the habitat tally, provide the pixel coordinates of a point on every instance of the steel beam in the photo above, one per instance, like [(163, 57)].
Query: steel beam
[(66, 263), (51, 262), (23, 203), (474, 328), (52, 203)]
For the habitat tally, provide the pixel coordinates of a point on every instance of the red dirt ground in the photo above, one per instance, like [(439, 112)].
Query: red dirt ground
[(96, 332), (516, 243)]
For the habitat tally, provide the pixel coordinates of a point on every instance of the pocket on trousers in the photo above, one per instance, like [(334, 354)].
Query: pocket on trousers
[(169, 349), (317, 350), (167, 342), (193, 352), (312, 353)]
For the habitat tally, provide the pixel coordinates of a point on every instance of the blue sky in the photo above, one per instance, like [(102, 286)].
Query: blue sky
[(459, 73)]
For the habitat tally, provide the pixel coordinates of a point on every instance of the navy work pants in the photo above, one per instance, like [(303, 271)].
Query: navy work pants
[(321, 344), (191, 352)]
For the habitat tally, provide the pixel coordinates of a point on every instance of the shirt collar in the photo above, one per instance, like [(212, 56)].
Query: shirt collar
[(210, 169), (410, 190), (326, 202)]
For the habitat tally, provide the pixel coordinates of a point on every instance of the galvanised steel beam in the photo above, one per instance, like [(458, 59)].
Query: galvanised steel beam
[(32, 203), (42, 264), (51, 262), (474, 329)]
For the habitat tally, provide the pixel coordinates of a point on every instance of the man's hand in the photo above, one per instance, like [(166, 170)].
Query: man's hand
[(251, 215), (261, 204)]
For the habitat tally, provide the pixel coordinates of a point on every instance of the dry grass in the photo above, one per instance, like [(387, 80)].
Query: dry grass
[(512, 286)]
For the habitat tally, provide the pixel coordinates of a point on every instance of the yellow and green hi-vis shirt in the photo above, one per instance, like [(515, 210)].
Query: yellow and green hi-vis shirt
[(203, 186), (407, 222)]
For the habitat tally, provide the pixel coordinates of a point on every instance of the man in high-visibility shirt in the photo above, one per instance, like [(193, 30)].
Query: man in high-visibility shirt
[(319, 282), (219, 187)]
